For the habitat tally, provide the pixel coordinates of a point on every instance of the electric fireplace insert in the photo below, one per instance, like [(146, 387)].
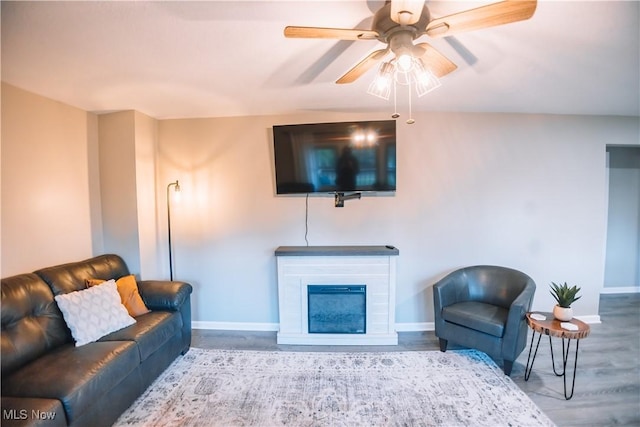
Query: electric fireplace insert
[(337, 309)]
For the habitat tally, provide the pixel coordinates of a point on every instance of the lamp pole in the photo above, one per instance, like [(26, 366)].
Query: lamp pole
[(177, 188)]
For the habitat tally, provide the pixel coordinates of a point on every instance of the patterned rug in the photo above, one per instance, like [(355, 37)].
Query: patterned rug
[(257, 388)]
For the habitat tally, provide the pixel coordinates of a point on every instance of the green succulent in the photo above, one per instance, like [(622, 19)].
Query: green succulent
[(564, 295)]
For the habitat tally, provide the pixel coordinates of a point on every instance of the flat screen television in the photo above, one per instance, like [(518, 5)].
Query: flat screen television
[(335, 157)]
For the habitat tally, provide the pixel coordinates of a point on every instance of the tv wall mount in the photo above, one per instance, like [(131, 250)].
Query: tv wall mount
[(341, 197)]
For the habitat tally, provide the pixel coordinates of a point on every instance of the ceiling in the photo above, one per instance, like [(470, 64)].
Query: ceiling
[(230, 58)]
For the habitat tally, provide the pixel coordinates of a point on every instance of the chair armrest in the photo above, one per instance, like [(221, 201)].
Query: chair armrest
[(164, 295), (446, 291), (526, 296), (522, 304), (449, 290), (515, 330)]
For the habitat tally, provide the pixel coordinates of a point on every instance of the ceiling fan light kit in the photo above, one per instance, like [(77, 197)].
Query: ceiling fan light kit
[(398, 23), (390, 75)]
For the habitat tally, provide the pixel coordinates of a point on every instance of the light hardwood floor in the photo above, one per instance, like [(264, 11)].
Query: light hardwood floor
[(607, 389)]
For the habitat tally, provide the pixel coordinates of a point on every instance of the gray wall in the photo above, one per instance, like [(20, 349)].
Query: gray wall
[(526, 191)]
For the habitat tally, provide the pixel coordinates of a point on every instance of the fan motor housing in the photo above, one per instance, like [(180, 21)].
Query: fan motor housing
[(386, 27)]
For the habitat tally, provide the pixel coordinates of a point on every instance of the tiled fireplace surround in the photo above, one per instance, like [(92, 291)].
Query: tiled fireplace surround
[(372, 266)]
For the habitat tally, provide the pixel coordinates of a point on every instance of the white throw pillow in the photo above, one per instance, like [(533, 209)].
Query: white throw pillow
[(94, 312)]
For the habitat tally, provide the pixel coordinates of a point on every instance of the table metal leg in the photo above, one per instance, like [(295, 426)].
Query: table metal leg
[(565, 359), (553, 362), (528, 369)]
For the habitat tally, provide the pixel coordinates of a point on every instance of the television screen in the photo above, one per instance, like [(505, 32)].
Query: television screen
[(335, 157)]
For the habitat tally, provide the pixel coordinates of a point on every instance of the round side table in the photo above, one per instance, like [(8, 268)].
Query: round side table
[(553, 328)]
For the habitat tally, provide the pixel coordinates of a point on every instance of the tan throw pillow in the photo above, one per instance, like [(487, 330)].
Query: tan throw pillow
[(128, 290)]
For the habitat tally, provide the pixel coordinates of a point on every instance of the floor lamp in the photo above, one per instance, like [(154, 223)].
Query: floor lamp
[(177, 189)]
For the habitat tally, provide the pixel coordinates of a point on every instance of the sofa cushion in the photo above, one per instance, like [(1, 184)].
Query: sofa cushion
[(90, 372), (480, 316), (70, 277), (93, 313), (129, 294), (32, 324), (150, 332)]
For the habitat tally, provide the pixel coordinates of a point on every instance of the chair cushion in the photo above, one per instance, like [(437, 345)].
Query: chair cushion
[(150, 331), (479, 316)]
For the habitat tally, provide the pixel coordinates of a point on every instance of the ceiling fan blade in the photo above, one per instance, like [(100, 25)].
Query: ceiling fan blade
[(363, 66), (433, 60), (329, 33), (462, 50), (491, 15)]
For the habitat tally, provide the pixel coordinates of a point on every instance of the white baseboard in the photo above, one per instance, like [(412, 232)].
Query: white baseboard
[(415, 327), (620, 290), (236, 326), (274, 327), (589, 319)]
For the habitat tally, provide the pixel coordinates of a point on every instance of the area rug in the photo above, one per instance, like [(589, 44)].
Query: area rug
[(257, 388)]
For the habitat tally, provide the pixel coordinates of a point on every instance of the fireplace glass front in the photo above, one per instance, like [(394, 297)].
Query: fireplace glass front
[(337, 309)]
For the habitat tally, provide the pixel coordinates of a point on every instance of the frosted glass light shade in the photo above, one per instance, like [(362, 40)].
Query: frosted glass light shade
[(425, 80), (381, 85)]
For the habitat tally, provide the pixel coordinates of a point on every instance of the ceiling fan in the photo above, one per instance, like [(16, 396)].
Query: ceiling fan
[(399, 22)]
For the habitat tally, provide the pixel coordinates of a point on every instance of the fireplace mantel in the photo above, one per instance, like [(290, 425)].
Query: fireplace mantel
[(337, 251), (372, 266)]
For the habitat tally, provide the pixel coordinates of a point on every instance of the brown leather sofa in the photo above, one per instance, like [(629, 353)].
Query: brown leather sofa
[(47, 380)]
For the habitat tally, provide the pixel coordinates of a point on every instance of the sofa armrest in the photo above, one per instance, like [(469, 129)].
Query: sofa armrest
[(32, 412), (163, 294), (170, 296)]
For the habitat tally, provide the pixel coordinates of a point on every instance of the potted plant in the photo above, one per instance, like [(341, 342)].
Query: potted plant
[(564, 296)]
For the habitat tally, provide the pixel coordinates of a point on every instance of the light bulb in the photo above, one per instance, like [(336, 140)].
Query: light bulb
[(405, 62), (381, 85), (425, 80)]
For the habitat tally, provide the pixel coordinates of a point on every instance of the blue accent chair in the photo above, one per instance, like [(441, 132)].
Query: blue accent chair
[(483, 307)]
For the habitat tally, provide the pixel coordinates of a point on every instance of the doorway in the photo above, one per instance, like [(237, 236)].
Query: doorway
[(622, 259)]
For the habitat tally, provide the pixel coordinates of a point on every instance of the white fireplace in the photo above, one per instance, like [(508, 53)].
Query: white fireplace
[(370, 267)]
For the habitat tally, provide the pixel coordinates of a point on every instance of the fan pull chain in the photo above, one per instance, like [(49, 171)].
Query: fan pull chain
[(410, 120), (395, 114)]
